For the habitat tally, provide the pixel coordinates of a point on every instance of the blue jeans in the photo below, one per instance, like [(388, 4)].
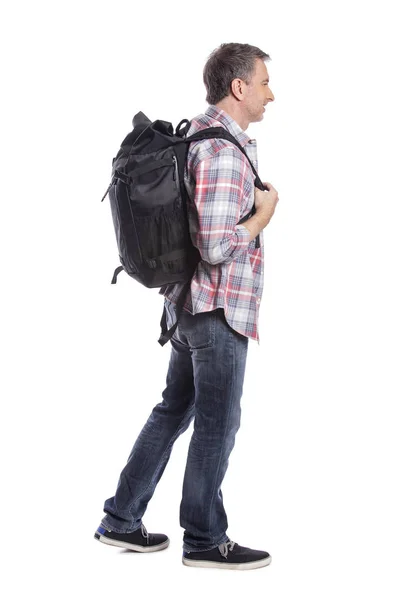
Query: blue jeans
[(204, 381)]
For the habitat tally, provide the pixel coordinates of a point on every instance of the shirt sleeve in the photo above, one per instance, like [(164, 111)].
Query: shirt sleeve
[(221, 189)]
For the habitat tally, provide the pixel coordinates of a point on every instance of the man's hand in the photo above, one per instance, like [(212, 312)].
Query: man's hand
[(265, 202)]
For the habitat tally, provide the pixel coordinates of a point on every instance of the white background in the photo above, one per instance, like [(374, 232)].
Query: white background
[(314, 474)]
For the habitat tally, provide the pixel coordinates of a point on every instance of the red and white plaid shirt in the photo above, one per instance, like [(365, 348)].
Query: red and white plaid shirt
[(220, 184)]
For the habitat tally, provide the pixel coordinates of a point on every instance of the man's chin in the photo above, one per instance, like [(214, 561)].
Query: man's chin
[(257, 118)]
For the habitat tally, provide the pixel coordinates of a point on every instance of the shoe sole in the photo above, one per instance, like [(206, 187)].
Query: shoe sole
[(256, 564), (134, 547)]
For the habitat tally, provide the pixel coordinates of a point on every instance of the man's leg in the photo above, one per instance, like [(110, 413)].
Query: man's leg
[(152, 449), (219, 359)]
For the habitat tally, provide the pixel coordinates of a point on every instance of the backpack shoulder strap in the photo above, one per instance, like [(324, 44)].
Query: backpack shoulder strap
[(220, 132)]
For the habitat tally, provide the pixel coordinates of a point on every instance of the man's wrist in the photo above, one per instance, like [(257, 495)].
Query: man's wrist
[(256, 224)]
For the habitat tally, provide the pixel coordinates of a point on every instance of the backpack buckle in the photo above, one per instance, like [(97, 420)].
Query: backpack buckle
[(151, 263)]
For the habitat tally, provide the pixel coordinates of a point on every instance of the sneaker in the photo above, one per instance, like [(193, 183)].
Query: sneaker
[(139, 540), (228, 556)]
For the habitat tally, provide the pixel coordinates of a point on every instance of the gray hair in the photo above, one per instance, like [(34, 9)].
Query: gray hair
[(228, 62)]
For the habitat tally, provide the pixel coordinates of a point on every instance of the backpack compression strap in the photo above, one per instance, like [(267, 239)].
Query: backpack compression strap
[(166, 334)]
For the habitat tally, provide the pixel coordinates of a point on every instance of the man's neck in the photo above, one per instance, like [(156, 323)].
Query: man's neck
[(233, 110)]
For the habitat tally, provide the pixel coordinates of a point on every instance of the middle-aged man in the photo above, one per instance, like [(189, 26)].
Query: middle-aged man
[(209, 347)]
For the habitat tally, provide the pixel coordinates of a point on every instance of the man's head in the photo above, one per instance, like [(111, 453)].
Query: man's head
[(237, 80)]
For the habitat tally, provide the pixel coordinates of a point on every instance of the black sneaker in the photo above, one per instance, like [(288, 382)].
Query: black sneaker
[(228, 556), (139, 540)]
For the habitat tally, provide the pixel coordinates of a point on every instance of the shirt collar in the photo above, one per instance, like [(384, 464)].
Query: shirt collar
[(226, 120)]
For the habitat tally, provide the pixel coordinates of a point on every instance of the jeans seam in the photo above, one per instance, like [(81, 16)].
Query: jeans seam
[(219, 463)]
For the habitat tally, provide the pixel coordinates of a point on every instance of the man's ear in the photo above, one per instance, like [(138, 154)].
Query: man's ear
[(237, 88)]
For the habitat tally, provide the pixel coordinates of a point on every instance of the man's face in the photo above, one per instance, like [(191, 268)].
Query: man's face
[(258, 93)]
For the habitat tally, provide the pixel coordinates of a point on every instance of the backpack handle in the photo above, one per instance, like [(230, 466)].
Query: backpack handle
[(183, 132)]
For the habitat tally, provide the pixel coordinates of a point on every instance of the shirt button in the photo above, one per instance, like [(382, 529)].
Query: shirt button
[(258, 300)]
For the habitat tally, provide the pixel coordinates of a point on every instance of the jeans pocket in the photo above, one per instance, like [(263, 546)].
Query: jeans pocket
[(199, 329)]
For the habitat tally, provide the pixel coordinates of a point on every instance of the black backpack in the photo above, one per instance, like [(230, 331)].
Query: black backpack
[(148, 204)]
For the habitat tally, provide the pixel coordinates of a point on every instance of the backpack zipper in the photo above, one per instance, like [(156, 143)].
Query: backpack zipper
[(175, 166)]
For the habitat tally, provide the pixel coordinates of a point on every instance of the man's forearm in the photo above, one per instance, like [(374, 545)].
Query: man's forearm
[(257, 223)]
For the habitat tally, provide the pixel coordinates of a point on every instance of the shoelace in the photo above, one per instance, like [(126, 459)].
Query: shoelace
[(144, 532), (223, 548)]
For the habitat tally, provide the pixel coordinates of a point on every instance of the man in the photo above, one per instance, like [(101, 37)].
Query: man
[(209, 347)]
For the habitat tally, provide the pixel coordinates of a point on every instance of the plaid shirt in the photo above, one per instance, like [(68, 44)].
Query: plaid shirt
[(220, 184)]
